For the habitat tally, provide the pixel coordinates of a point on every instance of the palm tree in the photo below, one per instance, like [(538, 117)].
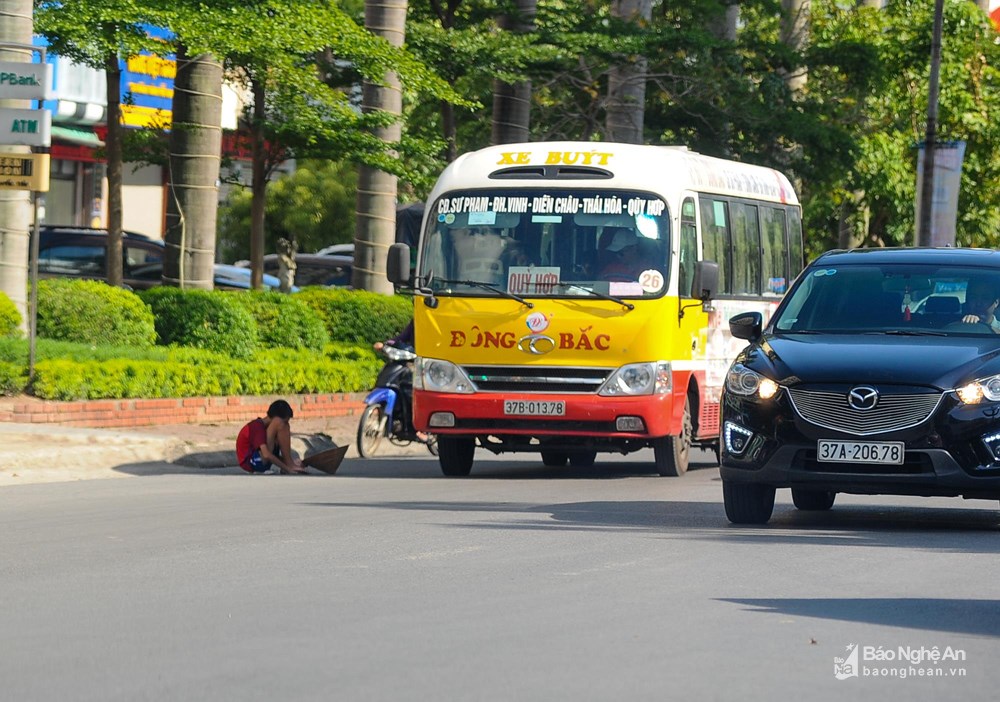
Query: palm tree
[(626, 105), (375, 227), (195, 148)]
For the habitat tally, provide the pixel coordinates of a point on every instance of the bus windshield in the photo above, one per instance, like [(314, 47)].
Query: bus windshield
[(555, 242)]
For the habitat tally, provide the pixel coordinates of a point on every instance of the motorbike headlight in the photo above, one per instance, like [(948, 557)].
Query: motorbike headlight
[(639, 379), (977, 390), (740, 380), (441, 376)]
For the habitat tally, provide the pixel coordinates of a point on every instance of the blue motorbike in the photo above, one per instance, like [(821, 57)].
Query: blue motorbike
[(388, 412)]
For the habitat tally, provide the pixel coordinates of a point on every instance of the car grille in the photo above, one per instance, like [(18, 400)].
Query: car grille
[(892, 413), (537, 378)]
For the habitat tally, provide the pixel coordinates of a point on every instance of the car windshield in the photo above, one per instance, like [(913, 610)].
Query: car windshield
[(554, 242), (893, 299)]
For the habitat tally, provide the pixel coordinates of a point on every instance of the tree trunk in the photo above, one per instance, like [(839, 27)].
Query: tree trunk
[(195, 150), (795, 35), (258, 186), (626, 107), (113, 152), (15, 205), (376, 203), (512, 101)]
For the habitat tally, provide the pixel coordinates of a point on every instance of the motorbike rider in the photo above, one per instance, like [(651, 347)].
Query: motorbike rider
[(404, 338)]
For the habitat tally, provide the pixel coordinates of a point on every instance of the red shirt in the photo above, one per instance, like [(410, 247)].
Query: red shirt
[(252, 436)]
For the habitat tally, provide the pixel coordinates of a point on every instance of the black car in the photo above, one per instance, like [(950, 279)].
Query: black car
[(80, 252), (879, 373)]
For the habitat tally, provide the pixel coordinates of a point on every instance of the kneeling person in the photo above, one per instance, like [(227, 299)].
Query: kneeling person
[(267, 441)]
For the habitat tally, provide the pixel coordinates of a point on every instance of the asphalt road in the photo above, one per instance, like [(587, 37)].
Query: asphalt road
[(390, 582)]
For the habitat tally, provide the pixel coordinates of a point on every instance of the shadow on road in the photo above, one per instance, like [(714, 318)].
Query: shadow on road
[(959, 530), (959, 616)]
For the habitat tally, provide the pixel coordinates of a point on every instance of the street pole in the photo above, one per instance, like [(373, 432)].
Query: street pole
[(927, 181)]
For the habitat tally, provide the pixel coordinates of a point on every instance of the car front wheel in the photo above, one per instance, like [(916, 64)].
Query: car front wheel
[(747, 503), (813, 500)]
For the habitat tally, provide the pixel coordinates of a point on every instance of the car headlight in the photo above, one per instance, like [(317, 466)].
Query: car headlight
[(441, 376), (977, 390), (740, 380), (639, 379)]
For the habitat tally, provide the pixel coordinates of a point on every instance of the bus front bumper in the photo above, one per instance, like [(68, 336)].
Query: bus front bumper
[(641, 417)]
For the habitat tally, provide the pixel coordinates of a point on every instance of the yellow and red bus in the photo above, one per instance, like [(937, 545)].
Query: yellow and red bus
[(574, 297)]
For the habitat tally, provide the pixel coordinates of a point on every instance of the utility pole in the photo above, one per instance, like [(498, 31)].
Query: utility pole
[(930, 139), (16, 24)]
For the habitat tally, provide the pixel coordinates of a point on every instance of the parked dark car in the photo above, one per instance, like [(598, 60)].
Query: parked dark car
[(313, 269), (224, 277), (80, 252), (848, 389)]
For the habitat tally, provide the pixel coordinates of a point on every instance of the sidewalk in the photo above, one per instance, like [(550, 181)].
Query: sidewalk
[(35, 453)]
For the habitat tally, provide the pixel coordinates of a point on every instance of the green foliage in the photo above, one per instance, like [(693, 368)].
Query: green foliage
[(313, 208), (283, 320), (13, 378), (267, 373), (203, 319), (10, 318), (93, 312), (358, 316)]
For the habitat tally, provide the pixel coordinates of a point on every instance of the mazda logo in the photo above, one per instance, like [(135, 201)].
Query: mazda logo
[(536, 344), (863, 397)]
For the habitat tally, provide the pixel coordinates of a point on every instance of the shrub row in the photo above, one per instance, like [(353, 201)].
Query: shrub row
[(234, 323), (96, 341), (179, 374), (10, 318)]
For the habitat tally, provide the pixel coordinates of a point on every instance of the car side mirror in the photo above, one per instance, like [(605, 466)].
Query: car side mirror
[(397, 265), (706, 280), (747, 325)]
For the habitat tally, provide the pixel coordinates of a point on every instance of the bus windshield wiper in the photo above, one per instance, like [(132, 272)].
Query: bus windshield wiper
[(601, 295), (488, 286)]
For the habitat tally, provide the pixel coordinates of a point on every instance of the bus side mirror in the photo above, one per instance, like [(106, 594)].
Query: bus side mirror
[(706, 280), (397, 265)]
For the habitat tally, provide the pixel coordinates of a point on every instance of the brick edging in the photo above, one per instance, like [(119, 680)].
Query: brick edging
[(181, 410)]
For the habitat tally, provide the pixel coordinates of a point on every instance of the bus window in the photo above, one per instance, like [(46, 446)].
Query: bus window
[(715, 238), (774, 251), (794, 243), (745, 270), (688, 248)]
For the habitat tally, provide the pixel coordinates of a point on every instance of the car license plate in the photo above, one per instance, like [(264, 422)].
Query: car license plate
[(543, 408), (886, 452)]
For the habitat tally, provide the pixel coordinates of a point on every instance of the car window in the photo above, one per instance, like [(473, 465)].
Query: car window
[(893, 298), (72, 259)]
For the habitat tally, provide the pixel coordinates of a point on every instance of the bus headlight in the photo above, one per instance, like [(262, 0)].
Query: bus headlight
[(441, 376), (639, 379)]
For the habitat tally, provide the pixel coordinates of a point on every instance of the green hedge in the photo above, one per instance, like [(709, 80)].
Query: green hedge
[(358, 316), (63, 379), (10, 318), (92, 312), (13, 378), (203, 319), (283, 320), (65, 371)]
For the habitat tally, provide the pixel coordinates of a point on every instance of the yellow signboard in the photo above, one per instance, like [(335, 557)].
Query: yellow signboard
[(24, 172)]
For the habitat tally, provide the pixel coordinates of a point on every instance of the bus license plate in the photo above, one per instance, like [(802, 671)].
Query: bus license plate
[(885, 452), (542, 408)]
